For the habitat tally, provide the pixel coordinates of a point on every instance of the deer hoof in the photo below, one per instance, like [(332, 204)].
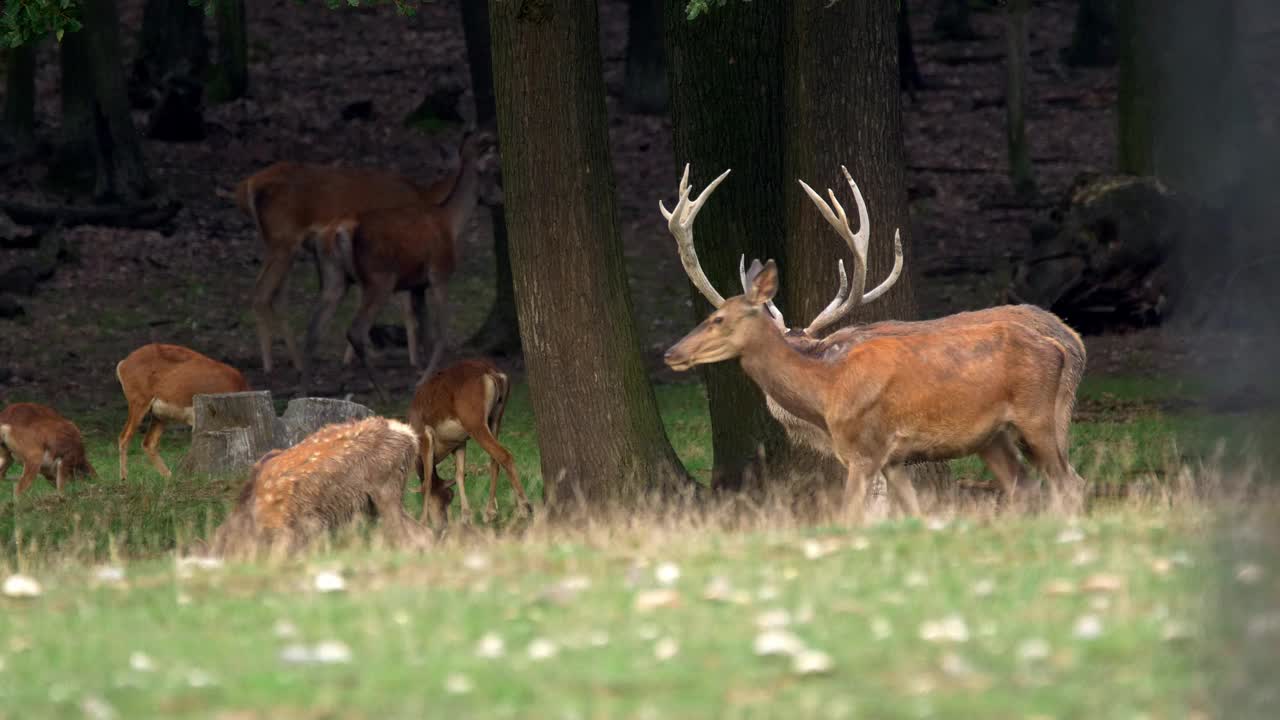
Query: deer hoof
[(490, 515)]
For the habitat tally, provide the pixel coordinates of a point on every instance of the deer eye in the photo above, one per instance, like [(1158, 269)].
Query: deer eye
[(717, 320)]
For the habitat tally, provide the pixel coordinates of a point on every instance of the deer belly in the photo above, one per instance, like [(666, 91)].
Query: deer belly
[(173, 413), (801, 431), (448, 436)]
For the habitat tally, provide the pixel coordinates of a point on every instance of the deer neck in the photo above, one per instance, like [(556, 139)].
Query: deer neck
[(794, 381), (461, 202)]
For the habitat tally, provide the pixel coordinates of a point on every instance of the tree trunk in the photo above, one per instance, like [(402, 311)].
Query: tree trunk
[(1136, 98), (909, 77), (645, 89), (1024, 184), (952, 21), (499, 334), (726, 88), (304, 416), (230, 431), (19, 128), (231, 80), (1093, 42), (599, 432), (100, 144), (172, 41), (843, 106)]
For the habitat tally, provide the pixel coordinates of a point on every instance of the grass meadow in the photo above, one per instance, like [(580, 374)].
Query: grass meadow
[(1152, 606)]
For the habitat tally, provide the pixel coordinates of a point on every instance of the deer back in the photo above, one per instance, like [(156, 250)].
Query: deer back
[(174, 374)]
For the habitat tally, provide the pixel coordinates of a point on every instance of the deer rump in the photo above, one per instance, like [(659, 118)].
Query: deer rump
[(339, 472)]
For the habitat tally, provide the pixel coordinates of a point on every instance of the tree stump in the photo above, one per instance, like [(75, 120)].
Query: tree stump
[(304, 416), (230, 432)]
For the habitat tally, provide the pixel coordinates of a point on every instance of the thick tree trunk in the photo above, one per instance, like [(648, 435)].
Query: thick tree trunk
[(726, 88), (952, 21), (599, 432), (100, 142), (172, 41), (18, 132), (1093, 42), (231, 79), (843, 107), (499, 334), (645, 87), (304, 416), (1024, 184), (1136, 98), (909, 77)]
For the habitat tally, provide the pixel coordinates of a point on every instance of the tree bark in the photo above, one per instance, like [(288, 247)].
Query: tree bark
[(645, 82), (599, 431), (499, 334), (909, 77), (100, 142), (172, 40), (232, 78), (18, 132), (726, 88), (1024, 184), (843, 106), (304, 416), (1094, 39), (952, 21), (1137, 93)]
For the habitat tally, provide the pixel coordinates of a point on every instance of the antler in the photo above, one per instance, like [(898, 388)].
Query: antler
[(857, 242), (680, 223)]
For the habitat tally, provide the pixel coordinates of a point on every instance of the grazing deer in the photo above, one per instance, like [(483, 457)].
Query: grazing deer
[(465, 400), (162, 380), (882, 395), (45, 442), (322, 483), (288, 200), (413, 249)]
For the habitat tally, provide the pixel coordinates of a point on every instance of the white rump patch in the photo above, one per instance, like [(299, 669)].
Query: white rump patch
[(5, 430), (176, 413), (397, 426)]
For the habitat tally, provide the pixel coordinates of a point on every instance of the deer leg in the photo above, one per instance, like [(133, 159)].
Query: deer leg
[(6, 459), (266, 294), (499, 455), (30, 468), (137, 411), (333, 288), (460, 471), (410, 305), (1043, 447), (1001, 458), (151, 444), (901, 491), (374, 294), (59, 475), (440, 321), (859, 470)]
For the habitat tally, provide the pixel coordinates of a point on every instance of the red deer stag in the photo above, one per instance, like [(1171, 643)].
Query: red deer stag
[(337, 473), (163, 380), (882, 395), (287, 201), (412, 248), (45, 442), (465, 400)]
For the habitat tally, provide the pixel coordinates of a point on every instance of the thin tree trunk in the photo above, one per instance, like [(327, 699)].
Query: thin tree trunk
[(100, 144), (909, 77), (726, 91), (232, 78), (1093, 42), (172, 40), (952, 21), (645, 83), (19, 99), (599, 432), (1020, 174), (499, 334), (1137, 93)]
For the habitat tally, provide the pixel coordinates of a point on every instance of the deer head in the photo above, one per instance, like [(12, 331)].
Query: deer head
[(737, 323)]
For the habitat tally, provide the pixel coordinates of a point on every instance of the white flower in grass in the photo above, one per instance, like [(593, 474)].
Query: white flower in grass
[(956, 665), (665, 649), (458, 684), (718, 589), (1033, 649), (647, 632), (598, 638), (328, 581), (811, 662), (296, 654), (491, 646), (141, 662), (108, 574), (650, 600), (984, 587), (860, 543), (476, 562), (916, 579), (667, 573), (766, 593), (936, 524), (21, 586), (400, 618), (881, 629), (815, 549), (198, 678), (1070, 535), (1088, 627), (284, 629), (332, 652), (777, 642), (1174, 631), (182, 599), (542, 649), (1103, 583), (1084, 556), (773, 619), (949, 629), (1249, 574), (95, 708)]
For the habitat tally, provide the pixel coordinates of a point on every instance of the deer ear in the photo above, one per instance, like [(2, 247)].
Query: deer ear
[(764, 285)]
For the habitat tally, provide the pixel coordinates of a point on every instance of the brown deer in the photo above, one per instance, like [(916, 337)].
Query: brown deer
[(45, 442), (882, 395), (287, 201), (411, 249), (465, 400), (339, 472), (163, 380)]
